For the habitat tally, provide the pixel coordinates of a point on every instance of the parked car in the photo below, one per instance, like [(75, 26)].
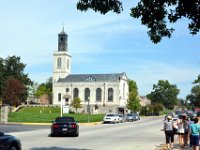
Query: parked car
[(65, 126), (9, 142), (122, 118), (111, 118), (132, 117)]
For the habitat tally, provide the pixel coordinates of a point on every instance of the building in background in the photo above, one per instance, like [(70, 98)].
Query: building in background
[(99, 93), (144, 101)]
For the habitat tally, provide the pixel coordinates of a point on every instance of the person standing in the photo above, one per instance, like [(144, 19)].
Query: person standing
[(169, 134), (186, 129), (190, 121), (194, 130), (181, 130)]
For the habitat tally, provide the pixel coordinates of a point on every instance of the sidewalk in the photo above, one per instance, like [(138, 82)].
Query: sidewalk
[(176, 145)]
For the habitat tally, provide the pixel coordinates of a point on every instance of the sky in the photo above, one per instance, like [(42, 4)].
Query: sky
[(111, 43)]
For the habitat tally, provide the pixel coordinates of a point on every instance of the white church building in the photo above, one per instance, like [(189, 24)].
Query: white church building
[(99, 93)]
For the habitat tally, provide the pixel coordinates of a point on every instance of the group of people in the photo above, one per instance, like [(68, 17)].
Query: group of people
[(187, 130)]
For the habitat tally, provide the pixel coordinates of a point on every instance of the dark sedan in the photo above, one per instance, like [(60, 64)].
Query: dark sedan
[(65, 126), (9, 142), (132, 117)]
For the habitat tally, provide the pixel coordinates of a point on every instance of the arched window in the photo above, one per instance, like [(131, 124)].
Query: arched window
[(76, 92), (59, 97), (67, 63), (87, 94), (59, 63), (110, 94), (124, 90), (98, 94)]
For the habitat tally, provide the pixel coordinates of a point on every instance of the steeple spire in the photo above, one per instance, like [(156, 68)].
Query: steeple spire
[(63, 28)]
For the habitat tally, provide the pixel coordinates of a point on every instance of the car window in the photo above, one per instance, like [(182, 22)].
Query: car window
[(110, 115), (64, 119)]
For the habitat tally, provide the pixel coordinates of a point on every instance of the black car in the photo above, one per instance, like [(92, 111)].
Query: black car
[(9, 142), (65, 126)]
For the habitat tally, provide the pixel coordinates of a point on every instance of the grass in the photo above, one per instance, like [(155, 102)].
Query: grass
[(47, 115)]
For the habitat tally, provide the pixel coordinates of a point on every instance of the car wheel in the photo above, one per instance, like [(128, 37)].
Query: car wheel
[(13, 147), (77, 134), (52, 135)]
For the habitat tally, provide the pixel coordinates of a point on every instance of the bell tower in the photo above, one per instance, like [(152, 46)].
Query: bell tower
[(62, 41), (62, 59)]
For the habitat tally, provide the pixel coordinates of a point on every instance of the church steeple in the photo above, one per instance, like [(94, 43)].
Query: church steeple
[(62, 58), (62, 41)]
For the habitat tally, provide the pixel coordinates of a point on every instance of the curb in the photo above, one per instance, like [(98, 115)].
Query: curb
[(48, 124)]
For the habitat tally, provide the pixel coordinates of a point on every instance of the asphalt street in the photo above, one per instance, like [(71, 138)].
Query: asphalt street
[(145, 134)]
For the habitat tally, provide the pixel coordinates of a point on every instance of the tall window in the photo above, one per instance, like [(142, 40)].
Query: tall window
[(59, 63), (87, 94), (67, 63), (59, 97), (110, 94), (76, 92), (98, 94), (124, 90)]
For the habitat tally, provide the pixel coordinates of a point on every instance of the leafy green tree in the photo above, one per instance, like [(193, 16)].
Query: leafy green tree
[(11, 67), (133, 102), (164, 93), (194, 97), (157, 108), (2, 76), (13, 91), (132, 86), (15, 68), (45, 88), (155, 15), (76, 103), (42, 90)]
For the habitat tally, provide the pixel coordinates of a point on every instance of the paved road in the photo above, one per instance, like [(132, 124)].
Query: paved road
[(140, 135), (9, 128)]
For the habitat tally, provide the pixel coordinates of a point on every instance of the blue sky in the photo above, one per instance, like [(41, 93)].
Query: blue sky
[(109, 43)]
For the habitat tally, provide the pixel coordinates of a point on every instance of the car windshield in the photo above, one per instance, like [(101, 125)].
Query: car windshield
[(64, 119), (129, 115), (110, 115)]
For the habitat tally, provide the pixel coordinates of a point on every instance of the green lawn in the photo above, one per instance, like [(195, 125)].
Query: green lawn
[(48, 114)]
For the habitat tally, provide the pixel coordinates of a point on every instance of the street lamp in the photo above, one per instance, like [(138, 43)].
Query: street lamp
[(88, 106), (88, 109)]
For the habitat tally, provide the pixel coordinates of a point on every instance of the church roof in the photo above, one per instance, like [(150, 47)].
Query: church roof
[(92, 77), (62, 32)]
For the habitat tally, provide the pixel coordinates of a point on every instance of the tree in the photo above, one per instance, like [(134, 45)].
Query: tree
[(156, 15), (164, 93), (157, 108), (194, 97), (13, 91), (11, 67), (2, 76), (132, 86), (76, 103), (133, 102), (45, 88)]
